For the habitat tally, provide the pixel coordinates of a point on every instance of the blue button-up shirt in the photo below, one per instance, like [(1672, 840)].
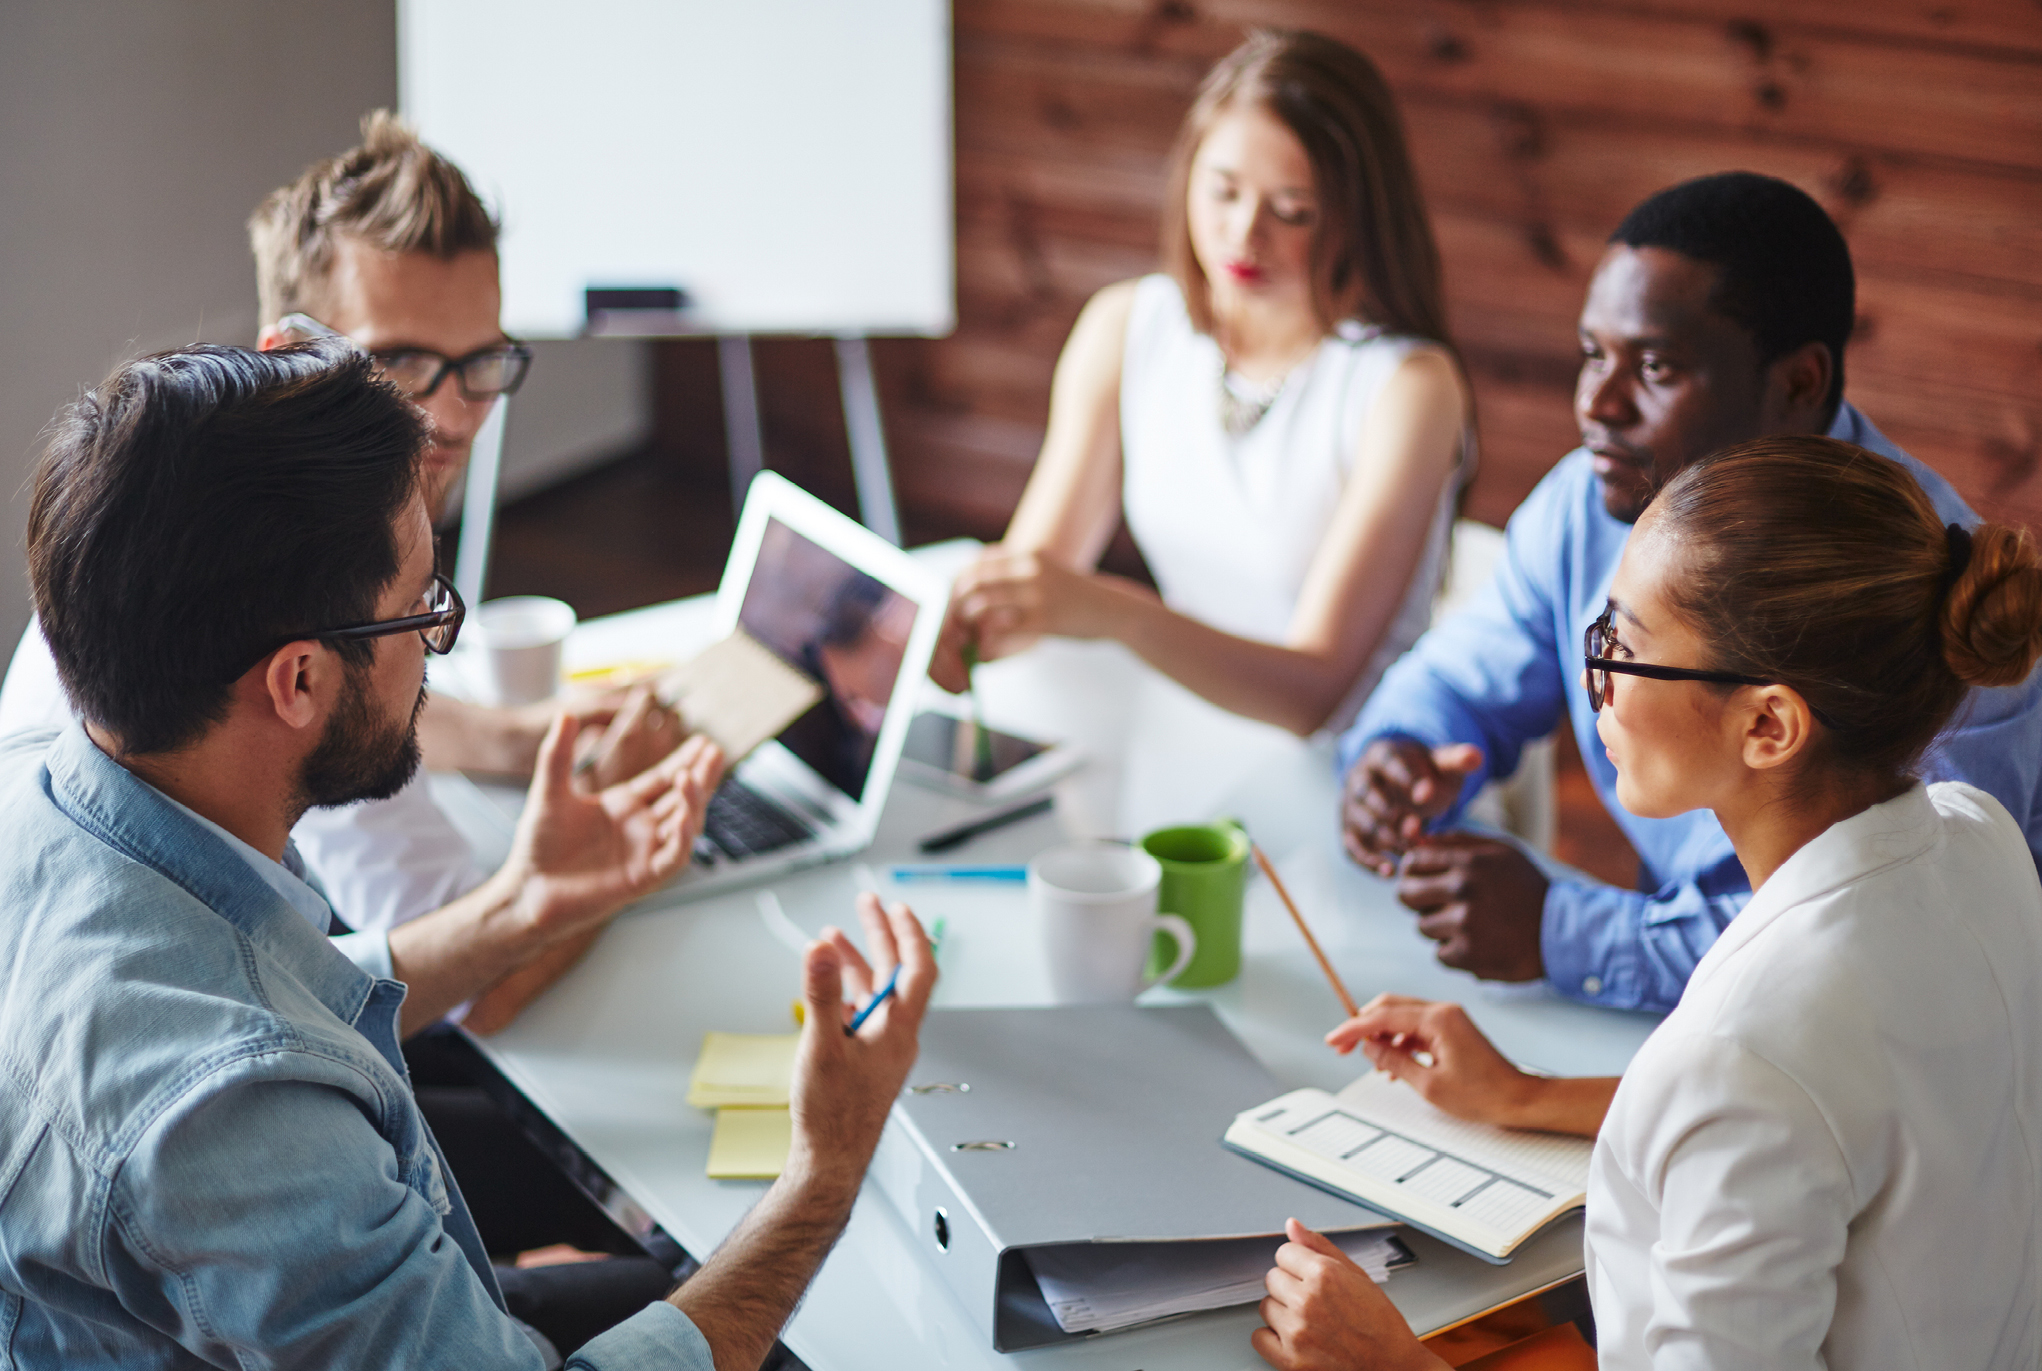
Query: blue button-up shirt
[(209, 1150), (1507, 670)]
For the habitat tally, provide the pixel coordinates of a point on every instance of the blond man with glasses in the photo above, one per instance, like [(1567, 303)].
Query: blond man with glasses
[(388, 246)]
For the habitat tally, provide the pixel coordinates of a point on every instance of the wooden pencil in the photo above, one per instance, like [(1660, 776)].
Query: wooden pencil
[(1269, 870)]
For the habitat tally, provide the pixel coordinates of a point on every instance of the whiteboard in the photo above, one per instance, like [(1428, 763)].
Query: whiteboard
[(785, 162)]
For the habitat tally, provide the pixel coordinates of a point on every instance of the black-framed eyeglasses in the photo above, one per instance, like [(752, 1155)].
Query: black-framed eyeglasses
[(482, 374), (1600, 666), (439, 625)]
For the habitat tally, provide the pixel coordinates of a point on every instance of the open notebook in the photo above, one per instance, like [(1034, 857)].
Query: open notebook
[(1483, 1189)]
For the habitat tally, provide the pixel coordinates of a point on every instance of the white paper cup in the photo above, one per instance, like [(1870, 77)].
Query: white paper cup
[(1096, 905), (521, 637)]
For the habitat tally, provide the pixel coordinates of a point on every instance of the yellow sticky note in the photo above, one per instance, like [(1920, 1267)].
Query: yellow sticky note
[(755, 1069), (750, 1144), (618, 673)]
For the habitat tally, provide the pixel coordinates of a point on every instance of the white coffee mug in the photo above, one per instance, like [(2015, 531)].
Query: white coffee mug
[(1096, 905), (521, 638)]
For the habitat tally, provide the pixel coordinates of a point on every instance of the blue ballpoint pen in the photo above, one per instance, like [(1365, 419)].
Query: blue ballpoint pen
[(858, 1019), (939, 871)]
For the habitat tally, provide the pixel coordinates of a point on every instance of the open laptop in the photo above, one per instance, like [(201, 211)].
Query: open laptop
[(860, 617)]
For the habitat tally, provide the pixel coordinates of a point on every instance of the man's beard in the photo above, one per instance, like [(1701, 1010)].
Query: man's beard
[(362, 755)]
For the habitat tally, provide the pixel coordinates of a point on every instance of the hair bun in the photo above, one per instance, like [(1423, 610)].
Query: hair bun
[(1992, 614)]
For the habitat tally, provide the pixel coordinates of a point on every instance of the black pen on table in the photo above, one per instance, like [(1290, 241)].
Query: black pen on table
[(944, 839)]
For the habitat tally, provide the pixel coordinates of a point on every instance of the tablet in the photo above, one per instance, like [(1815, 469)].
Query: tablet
[(944, 753)]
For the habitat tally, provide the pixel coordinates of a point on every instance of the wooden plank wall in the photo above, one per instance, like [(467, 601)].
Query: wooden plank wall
[(1536, 124)]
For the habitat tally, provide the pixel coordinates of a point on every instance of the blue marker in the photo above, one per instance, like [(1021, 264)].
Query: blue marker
[(858, 1019), (939, 871)]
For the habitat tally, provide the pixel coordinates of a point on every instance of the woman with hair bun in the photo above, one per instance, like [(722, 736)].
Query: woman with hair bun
[(1830, 1152), (1279, 415)]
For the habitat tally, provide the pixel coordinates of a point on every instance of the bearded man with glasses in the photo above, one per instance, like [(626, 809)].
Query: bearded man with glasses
[(213, 1151)]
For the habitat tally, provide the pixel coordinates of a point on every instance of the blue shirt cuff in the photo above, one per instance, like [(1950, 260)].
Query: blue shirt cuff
[(1588, 937), (657, 1335)]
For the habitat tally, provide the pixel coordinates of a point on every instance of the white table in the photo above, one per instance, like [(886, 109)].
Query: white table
[(607, 1052)]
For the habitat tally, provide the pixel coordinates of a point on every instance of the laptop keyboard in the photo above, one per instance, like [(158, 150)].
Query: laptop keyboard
[(740, 822)]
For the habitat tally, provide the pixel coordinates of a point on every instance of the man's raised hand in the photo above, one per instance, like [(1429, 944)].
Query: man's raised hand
[(579, 857), (845, 1083)]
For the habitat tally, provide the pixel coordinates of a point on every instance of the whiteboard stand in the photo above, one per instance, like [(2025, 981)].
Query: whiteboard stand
[(746, 447), (742, 437), (478, 505), (869, 468)]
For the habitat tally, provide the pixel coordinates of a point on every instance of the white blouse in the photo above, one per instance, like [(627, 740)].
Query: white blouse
[(1229, 525), (1830, 1153)]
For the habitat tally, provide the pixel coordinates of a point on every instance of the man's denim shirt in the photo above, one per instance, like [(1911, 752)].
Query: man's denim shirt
[(209, 1150)]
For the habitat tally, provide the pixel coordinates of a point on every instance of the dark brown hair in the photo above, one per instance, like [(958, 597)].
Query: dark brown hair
[(392, 192), (203, 506), (1373, 255), (1817, 564)]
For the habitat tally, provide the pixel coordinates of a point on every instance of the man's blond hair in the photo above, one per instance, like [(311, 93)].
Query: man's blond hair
[(392, 193)]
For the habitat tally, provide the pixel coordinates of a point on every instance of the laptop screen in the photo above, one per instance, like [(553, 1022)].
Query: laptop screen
[(843, 627)]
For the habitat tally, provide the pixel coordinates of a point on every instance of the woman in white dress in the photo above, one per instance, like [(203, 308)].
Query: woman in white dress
[(1279, 416), (1830, 1152)]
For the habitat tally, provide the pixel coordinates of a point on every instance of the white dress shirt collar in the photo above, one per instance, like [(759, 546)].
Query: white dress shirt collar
[(1892, 831)]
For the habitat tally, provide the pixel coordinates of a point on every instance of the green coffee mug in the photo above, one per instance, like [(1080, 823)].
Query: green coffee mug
[(1205, 875)]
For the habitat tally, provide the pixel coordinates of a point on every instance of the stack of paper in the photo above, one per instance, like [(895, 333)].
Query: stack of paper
[(1101, 1286), (746, 1079)]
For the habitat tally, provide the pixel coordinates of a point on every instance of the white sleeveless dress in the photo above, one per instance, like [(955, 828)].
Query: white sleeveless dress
[(1229, 525)]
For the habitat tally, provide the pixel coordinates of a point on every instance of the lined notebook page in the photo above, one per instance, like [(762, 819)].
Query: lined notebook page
[(1378, 1141), (1549, 1161)]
